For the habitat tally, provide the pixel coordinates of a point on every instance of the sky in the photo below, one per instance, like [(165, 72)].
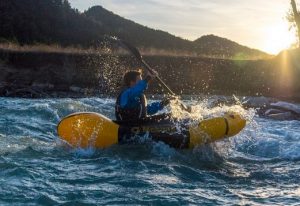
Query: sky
[(259, 24)]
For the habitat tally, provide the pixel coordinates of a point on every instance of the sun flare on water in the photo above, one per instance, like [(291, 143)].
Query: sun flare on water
[(278, 37)]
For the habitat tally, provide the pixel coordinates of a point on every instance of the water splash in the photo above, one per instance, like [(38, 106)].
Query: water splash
[(36, 167)]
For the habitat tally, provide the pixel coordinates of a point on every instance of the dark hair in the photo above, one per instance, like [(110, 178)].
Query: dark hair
[(130, 76)]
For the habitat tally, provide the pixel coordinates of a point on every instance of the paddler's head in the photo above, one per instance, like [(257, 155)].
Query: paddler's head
[(131, 78)]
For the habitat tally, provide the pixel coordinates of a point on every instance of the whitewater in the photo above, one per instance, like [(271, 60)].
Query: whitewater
[(259, 166)]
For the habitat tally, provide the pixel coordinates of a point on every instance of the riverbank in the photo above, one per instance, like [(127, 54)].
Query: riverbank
[(56, 73)]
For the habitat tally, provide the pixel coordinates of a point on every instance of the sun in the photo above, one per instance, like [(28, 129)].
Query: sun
[(278, 37)]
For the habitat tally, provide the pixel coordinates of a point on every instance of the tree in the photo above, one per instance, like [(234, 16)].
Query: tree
[(296, 18)]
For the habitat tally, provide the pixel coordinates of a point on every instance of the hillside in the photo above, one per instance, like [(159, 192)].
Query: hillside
[(135, 33), (55, 22), (212, 45), (45, 21)]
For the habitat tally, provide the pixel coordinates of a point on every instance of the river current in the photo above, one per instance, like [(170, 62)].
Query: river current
[(259, 166)]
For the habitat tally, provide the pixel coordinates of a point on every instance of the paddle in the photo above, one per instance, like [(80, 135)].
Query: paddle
[(139, 57)]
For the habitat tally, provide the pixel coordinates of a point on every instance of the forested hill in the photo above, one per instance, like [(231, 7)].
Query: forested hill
[(136, 33), (212, 45), (55, 22)]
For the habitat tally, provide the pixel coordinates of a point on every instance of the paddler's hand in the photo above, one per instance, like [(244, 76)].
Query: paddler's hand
[(167, 100), (151, 75)]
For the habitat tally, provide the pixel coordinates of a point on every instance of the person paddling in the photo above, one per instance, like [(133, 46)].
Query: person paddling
[(131, 104)]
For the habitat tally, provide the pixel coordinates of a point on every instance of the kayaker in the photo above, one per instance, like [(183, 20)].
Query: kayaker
[(131, 104)]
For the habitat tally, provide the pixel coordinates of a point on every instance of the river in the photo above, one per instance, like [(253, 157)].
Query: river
[(260, 166)]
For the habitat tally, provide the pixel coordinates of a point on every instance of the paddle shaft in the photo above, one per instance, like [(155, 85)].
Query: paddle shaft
[(158, 78), (164, 84)]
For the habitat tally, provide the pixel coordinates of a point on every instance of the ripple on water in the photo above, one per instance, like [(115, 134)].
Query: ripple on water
[(257, 167)]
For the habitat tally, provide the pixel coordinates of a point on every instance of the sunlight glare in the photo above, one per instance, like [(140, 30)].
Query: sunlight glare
[(278, 37)]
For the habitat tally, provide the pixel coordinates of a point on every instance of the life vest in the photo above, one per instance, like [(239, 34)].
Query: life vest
[(131, 114)]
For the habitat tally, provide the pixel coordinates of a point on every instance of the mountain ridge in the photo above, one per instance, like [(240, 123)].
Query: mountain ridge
[(56, 22)]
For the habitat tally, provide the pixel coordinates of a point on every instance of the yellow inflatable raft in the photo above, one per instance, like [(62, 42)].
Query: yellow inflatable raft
[(95, 130)]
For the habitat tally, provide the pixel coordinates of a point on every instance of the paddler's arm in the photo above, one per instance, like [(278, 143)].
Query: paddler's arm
[(154, 108), (138, 89), (133, 92)]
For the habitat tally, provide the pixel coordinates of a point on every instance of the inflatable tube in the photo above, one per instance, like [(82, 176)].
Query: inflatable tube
[(95, 130)]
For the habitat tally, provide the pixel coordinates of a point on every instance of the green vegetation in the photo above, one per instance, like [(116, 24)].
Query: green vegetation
[(55, 22), (294, 18)]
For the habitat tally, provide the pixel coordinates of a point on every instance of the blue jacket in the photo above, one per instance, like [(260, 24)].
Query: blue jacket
[(130, 98)]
